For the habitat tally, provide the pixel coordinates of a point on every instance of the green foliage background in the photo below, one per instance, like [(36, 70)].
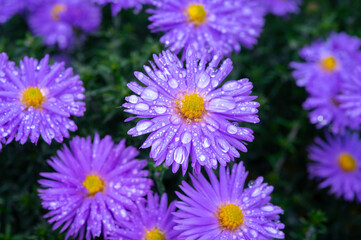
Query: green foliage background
[(106, 62)]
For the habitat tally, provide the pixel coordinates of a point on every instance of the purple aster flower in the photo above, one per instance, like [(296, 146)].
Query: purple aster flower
[(56, 20), (329, 65), (8, 8), (189, 115), (95, 184), (118, 5), (281, 7), (327, 60), (207, 24), (337, 163), (153, 221), (38, 99), (223, 209)]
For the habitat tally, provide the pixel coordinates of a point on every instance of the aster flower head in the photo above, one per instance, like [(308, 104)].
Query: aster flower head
[(8, 8), (330, 66), (56, 20), (330, 60), (188, 114), (118, 5), (37, 99), (281, 7), (337, 164), (93, 186), (151, 221), (207, 25), (223, 209)]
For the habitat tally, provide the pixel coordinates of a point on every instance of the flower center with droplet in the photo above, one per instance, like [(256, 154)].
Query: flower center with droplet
[(328, 64), (57, 10), (32, 97), (192, 106), (230, 217), (197, 14), (154, 234), (94, 184), (347, 162)]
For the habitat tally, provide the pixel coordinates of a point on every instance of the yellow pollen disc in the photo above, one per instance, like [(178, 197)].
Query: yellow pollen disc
[(94, 184), (230, 217), (32, 97), (197, 14), (192, 106), (154, 234), (347, 162), (328, 64), (56, 10)]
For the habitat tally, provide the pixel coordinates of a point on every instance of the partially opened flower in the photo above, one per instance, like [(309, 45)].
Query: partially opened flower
[(93, 186), (118, 5), (38, 99), (207, 25), (337, 164), (281, 7), (223, 209), (189, 114), (151, 221), (56, 20)]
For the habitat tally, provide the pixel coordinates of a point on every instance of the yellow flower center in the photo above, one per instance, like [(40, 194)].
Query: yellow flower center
[(57, 10), (192, 106), (94, 184), (230, 217), (328, 64), (32, 97), (197, 14), (347, 162), (154, 234)]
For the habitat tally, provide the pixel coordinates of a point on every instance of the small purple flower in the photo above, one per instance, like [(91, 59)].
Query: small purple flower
[(337, 163), (223, 209), (281, 7), (8, 8), (37, 99), (95, 184), (153, 221), (190, 115), (330, 65), (207, 25), (118, 5), (327, 60), (56, 20)]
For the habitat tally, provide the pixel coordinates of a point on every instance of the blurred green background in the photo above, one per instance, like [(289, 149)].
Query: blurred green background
[(106, 62)]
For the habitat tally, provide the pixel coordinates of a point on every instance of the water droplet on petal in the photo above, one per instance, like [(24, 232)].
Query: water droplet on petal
[(180, 155), (173, 83), (143, 125), (203, 80), (232, 129), (186, 137), (149, 94), (142, 107), (221, 104), (133, 99), (230, 86), (268, 208), (160, 110)]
